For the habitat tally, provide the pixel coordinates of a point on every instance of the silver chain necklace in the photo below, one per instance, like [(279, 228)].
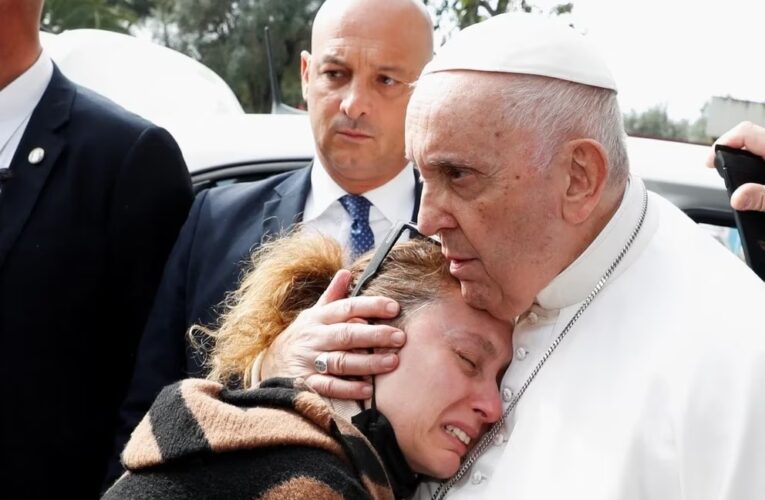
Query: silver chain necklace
[(488, 438)]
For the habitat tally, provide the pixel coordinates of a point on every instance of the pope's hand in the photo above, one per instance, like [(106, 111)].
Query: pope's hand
[(745, 135), (336, 326)]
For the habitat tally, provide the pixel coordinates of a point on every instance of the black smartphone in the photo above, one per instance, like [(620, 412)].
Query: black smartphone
[(737, 167)]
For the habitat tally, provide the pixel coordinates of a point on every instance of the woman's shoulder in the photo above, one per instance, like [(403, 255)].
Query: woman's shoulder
[(201, 436), (195, 416), (273, 472)]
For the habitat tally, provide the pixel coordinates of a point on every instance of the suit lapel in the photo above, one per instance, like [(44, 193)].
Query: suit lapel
[(21, 192), (287, 205)]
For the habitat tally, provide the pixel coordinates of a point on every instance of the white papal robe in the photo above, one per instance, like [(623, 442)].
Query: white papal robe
[(657, 392)]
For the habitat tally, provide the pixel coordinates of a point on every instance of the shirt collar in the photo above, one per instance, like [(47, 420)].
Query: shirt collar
[(576, 281), (394, 195), (20, 97), (388, 198)]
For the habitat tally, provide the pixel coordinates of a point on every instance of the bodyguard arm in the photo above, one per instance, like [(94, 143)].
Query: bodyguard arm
[(161, 356)]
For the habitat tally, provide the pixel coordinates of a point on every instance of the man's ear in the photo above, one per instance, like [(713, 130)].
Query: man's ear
[(587, 163), (305, 67)]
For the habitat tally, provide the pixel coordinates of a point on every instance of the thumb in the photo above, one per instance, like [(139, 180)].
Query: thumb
[(337, 289), (749, 197)]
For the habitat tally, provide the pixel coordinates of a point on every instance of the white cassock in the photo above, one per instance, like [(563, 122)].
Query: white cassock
[(657, 392)]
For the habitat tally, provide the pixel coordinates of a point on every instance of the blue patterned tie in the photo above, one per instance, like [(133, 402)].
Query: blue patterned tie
[(362, 238)]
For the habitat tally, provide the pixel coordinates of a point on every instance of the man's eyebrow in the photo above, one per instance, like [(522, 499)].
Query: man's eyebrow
[(329, 59), (390, 69), (448, 163)]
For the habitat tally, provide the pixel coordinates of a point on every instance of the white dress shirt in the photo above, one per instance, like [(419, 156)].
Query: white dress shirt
[(391, 202), (657, 390), (17, 102)]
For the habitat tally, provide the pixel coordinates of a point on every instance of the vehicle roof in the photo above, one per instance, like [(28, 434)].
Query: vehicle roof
[(248, 138), (158, 83)]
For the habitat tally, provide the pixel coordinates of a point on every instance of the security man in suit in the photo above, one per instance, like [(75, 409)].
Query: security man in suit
[(91, 200), (357, 83)]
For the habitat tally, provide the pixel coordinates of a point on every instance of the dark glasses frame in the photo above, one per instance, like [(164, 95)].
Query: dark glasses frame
[(384, 249), (375, 263)]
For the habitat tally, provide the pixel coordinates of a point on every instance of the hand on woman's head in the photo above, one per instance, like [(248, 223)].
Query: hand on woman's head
[(335, 325)]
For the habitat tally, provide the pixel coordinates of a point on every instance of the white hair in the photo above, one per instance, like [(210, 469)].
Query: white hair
[(557, 111)]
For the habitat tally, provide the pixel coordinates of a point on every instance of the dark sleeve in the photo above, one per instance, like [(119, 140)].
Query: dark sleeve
[(151, 197), (282, 472)]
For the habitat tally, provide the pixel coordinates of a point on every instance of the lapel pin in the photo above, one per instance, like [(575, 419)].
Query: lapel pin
[(36, 156)]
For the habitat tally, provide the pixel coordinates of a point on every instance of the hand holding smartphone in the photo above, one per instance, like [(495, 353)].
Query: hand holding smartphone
[(738, 167)]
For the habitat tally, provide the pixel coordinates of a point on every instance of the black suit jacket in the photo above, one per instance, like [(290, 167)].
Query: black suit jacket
[(84, 235), (224, 226)]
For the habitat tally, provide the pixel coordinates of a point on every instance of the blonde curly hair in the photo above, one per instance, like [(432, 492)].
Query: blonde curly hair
[(288, 275)]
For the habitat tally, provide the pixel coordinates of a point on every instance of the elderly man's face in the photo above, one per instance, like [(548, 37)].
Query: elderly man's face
[(496, 214), (357, 86)]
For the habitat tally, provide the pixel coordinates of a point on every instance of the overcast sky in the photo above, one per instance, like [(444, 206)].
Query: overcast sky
[(678, 52)]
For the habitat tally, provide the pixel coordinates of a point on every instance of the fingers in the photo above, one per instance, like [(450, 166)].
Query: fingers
[(340, 311), (745, 135), (749, 197), (349, 336), (332, 307), (337, 388), (336, 324), (289, 354), (349, 363), (337, 289)]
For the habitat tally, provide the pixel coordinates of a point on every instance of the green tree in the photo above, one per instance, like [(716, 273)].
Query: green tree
[(112, 15), (656, 123), (228, 37), (697, 131), (462, 13)]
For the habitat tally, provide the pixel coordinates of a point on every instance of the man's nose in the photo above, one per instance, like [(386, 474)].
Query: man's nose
[(356, 102), (432, 216)]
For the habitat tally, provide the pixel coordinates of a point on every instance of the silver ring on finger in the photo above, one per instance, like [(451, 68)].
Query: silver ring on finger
[(320, 363)]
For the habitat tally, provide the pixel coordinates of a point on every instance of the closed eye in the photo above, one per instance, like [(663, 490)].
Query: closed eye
[(467, 361)]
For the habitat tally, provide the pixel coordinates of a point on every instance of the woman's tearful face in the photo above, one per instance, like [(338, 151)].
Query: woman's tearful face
[(444, 394)]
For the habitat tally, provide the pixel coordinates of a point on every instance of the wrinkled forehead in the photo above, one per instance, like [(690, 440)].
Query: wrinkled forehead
[(453, 101), (459, 92)]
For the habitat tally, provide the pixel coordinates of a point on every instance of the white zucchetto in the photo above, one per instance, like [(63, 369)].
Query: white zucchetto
[(526, 44)]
